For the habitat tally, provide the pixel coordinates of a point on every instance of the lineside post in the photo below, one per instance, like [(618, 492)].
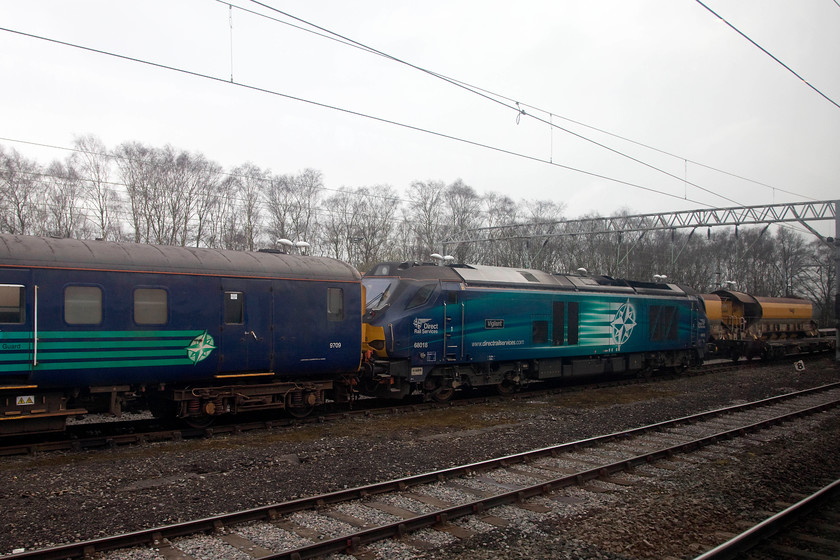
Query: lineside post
[(837, 280)]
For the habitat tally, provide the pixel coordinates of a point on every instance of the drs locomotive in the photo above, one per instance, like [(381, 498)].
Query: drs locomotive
[(436, 329)]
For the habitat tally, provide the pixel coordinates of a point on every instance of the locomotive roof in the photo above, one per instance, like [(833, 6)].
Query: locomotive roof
[(41, 252), (498, 276)]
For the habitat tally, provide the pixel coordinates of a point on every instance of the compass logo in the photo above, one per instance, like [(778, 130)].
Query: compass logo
[(200, 347), (622, 323)]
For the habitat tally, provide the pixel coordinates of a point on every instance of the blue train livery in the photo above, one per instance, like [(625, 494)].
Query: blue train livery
[(92, 325), (435, 329)]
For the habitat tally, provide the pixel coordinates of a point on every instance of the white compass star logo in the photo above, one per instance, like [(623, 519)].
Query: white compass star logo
[(200, 347), (622, 323)]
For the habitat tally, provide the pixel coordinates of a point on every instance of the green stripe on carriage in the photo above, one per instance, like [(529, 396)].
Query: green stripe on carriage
[(15, 356), (95, 354), (97, 364), (67, 345), (5, 335), (112, 364), (13, 368)]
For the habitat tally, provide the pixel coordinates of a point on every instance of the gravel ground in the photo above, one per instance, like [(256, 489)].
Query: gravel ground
[(662, 512)]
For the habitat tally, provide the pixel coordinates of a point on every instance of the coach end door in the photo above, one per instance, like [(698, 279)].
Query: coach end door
[(246, 330)]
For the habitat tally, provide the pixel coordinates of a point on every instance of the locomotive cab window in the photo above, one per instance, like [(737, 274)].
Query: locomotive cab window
[(11, 304), (151, 306), (83, 305), (335, 304), (234, 308), (422, 296)]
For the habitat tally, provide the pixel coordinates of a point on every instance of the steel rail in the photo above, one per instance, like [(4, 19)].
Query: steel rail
[(350, 543), (143, 435), (149, 536), (772, 525)]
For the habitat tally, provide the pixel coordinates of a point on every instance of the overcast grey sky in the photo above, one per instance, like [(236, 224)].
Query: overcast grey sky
[(665, 73)]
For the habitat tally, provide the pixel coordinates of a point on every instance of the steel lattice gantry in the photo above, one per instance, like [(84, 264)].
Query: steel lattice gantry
[(801, 212)]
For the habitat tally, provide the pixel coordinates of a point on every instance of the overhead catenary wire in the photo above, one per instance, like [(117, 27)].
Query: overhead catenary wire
[(354, 113), (765, 51), (482, 93), (511, 103)]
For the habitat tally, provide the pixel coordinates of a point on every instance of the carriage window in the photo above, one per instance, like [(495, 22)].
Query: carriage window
[(335, 304), (11, 304), (234, 308), (83, 305), (150, 306)]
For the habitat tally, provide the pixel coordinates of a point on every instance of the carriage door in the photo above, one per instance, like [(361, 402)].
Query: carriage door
[(17, 317), (246, 343), (453, 338)]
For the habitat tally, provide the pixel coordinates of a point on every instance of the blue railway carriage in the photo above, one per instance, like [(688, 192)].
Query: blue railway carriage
[(435, 329), (194, 333)]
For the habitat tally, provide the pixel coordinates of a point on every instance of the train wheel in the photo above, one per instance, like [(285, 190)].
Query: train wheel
[(507, 387), (300, 406), (442, 394)]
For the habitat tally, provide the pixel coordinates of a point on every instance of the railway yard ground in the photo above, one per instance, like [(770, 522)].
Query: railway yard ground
[(673, 510)]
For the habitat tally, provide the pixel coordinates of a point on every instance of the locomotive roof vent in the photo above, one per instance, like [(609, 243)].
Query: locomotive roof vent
[(302, 247), (442, 260), (285, 245)]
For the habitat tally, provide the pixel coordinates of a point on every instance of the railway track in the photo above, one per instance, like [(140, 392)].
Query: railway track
[(440, 506), (110, 434), (808, 529)]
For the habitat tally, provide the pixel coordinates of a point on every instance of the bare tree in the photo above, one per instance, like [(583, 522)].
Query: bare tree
[(500, 249), (375, 222), (248, 182), (21, 192), (137, 170), (63, 202), (93, 164), (462, 203), (791, 258), (543, 252), (427, 211), (819, 282), (291, 203), (341, 231), (207, 191)]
